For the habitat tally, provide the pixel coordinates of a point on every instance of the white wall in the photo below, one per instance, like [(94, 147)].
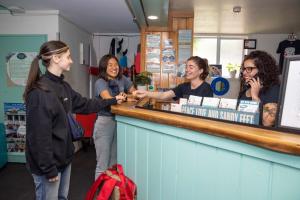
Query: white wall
[(269, 42), (32, 23), (73, 35)]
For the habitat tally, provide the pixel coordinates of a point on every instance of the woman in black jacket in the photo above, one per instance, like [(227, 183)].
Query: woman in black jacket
[(49, 146)]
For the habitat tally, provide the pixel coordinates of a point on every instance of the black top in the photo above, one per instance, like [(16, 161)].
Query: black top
[(49, 146), (184, 90), (269, 96), (287, 48)]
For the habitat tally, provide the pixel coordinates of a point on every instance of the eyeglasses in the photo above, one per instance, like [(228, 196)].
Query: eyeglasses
[(248, 69)]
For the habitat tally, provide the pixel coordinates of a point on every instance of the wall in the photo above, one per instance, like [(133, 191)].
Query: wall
[(73, 35), (269, 42), (31, 23), (50, 23)]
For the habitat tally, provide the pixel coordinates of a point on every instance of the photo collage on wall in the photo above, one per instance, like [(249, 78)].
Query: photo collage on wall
[(15, 126)]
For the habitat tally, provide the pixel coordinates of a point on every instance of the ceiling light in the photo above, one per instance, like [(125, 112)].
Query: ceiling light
[(152, 17), (237, 9)]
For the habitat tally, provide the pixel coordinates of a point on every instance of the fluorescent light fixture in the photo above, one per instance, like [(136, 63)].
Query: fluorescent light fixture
[(152, 17)]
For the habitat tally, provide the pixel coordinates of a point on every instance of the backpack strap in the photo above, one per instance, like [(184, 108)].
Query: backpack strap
[(107, 189), (126, 185), (91, 193)]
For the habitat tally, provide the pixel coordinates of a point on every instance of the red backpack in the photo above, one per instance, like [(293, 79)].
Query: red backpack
[(113, 185)]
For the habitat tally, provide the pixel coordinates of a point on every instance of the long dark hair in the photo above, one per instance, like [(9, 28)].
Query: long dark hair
[(202, 64), (46, 51), (268, 71), (103, 66)]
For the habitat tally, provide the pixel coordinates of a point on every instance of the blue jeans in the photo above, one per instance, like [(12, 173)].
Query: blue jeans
[(45, 190), (105, 137)]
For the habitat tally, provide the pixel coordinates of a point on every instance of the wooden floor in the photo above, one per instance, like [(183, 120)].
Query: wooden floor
[(16, 182)]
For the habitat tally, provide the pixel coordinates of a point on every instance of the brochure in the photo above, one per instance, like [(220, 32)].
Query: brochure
[(194, 100), (183, 101), (175, 107), (248, 106), (211, 102), (228, 103)]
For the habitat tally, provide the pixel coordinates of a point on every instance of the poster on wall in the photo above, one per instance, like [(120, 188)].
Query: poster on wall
[(153, 67), (185, 36), (168, 43), (18, 65), (153, 40), (153, 55), (184, 52), (15, 126), (168, 60)]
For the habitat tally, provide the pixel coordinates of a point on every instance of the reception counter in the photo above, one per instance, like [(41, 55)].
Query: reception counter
[(172, 156)]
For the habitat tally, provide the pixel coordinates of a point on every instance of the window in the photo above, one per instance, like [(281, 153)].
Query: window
[(220, 50), (206, 48)]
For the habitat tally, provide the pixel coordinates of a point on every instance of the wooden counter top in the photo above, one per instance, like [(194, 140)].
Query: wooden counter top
[(269, 139)]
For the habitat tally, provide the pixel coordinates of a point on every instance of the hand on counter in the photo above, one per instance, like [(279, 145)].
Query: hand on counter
[(121, 97), (140, 93)]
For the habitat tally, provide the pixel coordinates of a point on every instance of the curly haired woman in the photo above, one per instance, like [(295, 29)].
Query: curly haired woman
[(260, 82)]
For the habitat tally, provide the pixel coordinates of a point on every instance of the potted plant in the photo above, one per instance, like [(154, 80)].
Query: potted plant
[(142, 80), (232, 69)]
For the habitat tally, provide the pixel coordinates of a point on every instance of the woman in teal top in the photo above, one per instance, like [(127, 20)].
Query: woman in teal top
[(111, 83)]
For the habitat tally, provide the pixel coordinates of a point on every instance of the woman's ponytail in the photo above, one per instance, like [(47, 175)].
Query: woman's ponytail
[(33, 77)]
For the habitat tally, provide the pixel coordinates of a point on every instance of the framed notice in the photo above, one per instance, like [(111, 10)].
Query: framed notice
[(289, 104), (249, 43), (18, 65)]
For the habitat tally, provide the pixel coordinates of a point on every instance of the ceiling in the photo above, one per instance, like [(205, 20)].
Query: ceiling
[(95, 16), (256, 16), (210, 16)]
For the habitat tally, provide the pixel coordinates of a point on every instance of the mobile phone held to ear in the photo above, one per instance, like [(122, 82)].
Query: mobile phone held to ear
[(247, 85)]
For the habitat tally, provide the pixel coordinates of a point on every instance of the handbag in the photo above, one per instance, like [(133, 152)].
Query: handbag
[(76, 130), (113, 185)]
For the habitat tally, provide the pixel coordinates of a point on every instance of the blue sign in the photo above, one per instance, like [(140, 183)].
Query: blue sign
[(223, 114)]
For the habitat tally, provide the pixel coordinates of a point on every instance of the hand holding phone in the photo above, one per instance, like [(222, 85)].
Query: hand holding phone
[(255, 85)]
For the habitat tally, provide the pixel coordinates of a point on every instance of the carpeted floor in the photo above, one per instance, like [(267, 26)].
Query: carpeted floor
[(16, 183)]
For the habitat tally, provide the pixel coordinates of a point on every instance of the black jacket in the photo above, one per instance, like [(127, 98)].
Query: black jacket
[(49, 146)]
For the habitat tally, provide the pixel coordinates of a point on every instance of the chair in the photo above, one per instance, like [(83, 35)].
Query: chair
[(87, 122)]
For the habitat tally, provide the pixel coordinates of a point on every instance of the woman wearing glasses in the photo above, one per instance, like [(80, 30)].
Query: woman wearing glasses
[(111, 83), (260, 82)]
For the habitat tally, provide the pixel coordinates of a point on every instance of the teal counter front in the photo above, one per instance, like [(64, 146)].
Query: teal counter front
[(179, 157)]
